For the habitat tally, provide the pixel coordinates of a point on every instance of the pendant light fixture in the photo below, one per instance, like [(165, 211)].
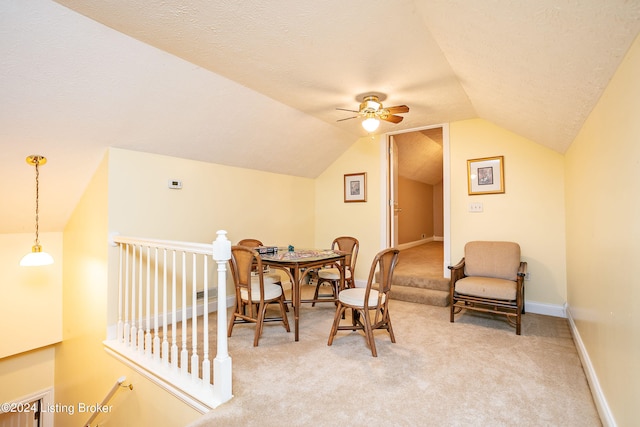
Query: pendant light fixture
[(36, 257)]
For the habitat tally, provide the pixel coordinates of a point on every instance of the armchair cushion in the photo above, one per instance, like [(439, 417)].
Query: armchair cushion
[(492, 259), (333, 273), (487, 287)]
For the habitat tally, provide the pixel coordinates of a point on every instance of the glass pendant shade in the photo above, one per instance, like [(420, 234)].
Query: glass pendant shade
[(36, 258), (370, 124)]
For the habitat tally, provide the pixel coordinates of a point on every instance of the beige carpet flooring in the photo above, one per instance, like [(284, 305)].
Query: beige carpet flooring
[(474, 372), (424, 260), (419, 275)]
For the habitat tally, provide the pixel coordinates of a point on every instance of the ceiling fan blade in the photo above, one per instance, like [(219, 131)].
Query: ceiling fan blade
[(398, 109), (344, 109), (392, 119), (348, 118)]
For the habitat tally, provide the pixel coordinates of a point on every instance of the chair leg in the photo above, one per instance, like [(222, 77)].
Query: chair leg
[(285, 320), (259, 323), (334, 287), (336, 321), (231, 323), (451, 315), (389, 327), (315, 293), (368, 332), (286, 307)]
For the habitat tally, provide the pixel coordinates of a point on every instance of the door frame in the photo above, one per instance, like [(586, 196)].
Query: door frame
[(388, 204)]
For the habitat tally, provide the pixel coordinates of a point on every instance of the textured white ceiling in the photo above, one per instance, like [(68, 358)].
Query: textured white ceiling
[(420, 155), (256, 83)]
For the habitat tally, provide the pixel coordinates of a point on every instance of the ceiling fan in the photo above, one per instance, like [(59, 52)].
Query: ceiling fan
[(372, 110)]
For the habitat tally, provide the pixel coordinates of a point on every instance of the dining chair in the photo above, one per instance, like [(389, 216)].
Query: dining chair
[(253, 296), (254, 243), (362, 301), (331, 274)]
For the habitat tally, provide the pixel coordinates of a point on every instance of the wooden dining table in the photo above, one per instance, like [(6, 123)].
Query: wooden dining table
[(298, 264)]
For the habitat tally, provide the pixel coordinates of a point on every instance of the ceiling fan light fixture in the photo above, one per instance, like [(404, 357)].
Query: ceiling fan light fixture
[(370, 124), (370, 104)]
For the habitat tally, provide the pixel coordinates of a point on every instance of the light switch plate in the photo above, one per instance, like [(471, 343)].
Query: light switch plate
[(475, 207)]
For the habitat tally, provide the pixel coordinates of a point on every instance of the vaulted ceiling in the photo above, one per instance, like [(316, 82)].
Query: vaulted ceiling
[(256, 83)]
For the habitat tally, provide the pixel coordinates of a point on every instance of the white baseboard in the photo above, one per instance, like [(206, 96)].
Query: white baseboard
[(416, 243), (554, 310), (592, 378)]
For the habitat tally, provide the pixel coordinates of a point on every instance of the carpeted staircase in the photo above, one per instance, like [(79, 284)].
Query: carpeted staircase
[(419, 276)]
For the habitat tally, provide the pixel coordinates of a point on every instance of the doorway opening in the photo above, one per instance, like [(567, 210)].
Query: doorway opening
[(418, 189)]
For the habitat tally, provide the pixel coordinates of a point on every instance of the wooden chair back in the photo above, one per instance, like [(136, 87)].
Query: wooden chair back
[(350, 245)]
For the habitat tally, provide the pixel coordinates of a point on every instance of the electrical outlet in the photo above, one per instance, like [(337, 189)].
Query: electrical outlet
[(475, 207), (527, 276)]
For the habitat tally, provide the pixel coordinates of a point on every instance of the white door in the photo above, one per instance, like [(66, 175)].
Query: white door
[(394, 208), (22, 415)]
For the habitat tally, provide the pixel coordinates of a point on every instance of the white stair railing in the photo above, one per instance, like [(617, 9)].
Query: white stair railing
[(163, 311), (107, 398)]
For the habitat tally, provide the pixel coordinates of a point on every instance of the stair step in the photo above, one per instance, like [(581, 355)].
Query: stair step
[(437, 283), (434, 297)]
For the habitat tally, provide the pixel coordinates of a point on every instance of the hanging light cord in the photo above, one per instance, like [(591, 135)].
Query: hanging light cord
[(37, 201)]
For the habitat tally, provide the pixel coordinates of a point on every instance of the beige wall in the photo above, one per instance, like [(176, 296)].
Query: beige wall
[(31, 300), (530, 212), (438, 210), (334, 217), (84, 372), (417, 216), (26, 373), (534, 200), (31, 315), (277, 209), (603, 239)]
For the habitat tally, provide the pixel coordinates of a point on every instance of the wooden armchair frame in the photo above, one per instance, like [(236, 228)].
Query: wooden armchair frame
[(511, 308)]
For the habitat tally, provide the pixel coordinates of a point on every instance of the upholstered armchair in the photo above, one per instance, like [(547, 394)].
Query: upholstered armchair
[(490, 279)]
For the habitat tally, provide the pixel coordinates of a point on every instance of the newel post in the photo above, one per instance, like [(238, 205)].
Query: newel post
[(222, 361)]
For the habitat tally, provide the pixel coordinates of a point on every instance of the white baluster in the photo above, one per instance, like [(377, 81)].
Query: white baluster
[(165, 342), (206, 364), (126, 297), (140, 312), (195, 363), (134, 331), (120, 273), (156, 326), (222, 363), (147, 336), (174, 320), (184, 354)]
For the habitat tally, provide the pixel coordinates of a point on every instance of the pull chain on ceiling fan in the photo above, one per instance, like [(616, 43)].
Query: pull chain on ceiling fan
[(372, 110)]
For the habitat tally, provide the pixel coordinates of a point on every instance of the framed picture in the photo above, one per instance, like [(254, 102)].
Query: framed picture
[(355, 187), (486, 175)]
